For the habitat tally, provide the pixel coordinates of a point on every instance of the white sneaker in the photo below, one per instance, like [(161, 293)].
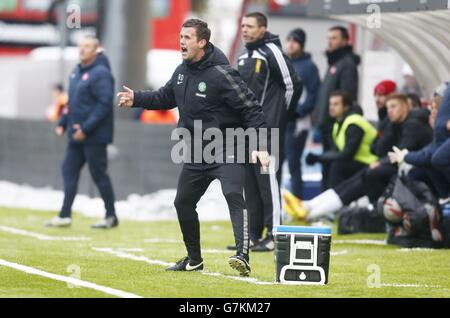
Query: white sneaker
[(59, 222)]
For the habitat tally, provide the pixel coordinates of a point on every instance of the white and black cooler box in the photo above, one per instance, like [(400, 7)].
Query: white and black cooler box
[(302, 254)]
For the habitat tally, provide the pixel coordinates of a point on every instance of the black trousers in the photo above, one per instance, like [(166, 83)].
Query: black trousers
[(262, 194), (192, 185), (339, 171), (96, 157), (370, 182)]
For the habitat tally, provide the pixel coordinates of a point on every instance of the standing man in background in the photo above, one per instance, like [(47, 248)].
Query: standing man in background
[(342, 75), (89, 126), (297, 132), (271, 76)]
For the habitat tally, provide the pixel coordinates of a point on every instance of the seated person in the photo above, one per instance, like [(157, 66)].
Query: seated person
[(433, 176), (404, 130), (352, 136)]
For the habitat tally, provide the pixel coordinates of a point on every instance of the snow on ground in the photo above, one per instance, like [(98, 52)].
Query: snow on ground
[(155, 206)]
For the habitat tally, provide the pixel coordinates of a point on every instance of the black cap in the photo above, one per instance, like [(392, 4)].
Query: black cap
[(298, 35)]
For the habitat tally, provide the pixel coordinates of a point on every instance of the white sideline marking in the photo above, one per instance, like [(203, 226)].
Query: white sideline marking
[(69, 280), (339, 253), (123, 254), (144, 259), (158, 240), (409, 286), (39, 236), (361, 242), (217, 251), (410, 250)]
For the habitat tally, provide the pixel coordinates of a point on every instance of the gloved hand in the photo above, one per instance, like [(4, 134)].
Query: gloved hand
[(404, 169), (312, 159), (398, 156)]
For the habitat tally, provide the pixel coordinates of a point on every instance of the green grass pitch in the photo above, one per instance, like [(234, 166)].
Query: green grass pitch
[(131, 259)]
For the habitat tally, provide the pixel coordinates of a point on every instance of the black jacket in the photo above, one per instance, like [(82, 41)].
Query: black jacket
[(342, 74), (271, 76), (413, 134), (210, 91)]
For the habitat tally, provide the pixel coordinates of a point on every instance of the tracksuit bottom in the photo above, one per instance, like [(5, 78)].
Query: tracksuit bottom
[(262, 194), (192, 184), (96, 157)]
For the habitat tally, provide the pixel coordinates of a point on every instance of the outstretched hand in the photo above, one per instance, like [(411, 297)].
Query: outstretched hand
[(126, 98)]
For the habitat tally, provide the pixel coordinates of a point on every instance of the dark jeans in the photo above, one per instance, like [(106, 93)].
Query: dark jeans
[(294, 147), (433, 178), (441, 159), (96, 157)]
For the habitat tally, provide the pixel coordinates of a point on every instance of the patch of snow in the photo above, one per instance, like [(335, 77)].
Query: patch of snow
[(151, 207)]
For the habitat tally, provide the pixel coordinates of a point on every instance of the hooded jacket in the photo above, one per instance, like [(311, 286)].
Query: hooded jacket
[(342, 74), (91, 96), (210, 91), (269, 73)]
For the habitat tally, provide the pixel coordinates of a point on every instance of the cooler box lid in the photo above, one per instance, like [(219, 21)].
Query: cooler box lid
[(303, 230)]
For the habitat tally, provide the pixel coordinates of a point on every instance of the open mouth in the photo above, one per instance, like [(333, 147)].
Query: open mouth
[(183, 50)]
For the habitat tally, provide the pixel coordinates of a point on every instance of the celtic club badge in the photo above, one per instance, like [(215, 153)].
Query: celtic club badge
[(202, 87)]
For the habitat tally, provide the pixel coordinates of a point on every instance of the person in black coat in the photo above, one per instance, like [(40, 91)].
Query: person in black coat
[(88, 123), (269, 73), (211, 97), (342, 75)]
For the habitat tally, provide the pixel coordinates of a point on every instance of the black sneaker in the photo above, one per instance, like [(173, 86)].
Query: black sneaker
[(240, 263), (186, 265), (265, 245), (108, 223)]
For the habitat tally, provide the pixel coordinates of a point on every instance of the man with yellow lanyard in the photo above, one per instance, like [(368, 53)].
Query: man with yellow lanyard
[(352, 136)]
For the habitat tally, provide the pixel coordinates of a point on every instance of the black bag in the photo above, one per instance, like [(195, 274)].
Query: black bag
[(360, 220), (420, 214)]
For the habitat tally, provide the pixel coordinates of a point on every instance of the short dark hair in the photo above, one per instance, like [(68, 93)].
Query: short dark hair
[(201, 29), (347, 99), (261, 19), (344, 32), (415, 99), (401, 97)]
